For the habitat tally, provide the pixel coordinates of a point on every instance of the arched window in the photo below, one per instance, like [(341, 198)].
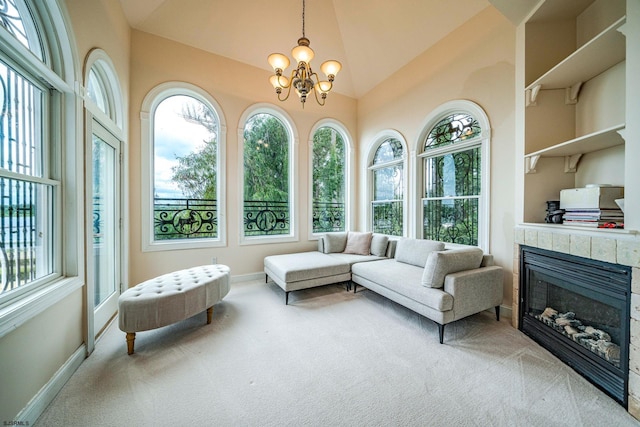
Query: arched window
[(329, 181), (268, 185), (17, 19), (186, 193), (386, 169), (37, 125), (454, 155), (103, 89)]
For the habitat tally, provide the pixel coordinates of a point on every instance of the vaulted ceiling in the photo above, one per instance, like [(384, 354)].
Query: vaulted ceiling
[(371, 38)]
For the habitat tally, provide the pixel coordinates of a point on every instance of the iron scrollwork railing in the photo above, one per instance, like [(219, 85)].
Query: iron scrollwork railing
[(451, 220), (387, 217), (185, 218), (264, 218), (328, 217)]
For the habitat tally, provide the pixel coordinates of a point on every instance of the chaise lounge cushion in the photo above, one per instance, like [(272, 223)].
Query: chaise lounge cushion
[(441, 263), (304, 266), (416, 251)]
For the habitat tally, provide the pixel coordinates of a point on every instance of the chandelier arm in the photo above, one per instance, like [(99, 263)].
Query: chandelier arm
[(288, 85), (288, 93), (324, 98)]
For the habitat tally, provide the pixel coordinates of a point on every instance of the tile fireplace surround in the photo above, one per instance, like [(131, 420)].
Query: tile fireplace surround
[(612, 246)]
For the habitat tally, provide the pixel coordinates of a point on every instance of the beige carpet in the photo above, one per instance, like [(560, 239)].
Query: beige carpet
[(330, 358)]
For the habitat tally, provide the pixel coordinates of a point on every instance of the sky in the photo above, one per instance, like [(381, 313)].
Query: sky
[(173, 137)]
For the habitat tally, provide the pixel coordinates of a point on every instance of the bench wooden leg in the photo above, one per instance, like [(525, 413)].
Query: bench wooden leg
[(209, 314), (131, 337)]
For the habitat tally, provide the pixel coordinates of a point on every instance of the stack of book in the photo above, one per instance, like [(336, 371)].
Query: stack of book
[(592, 206), (598, 218)]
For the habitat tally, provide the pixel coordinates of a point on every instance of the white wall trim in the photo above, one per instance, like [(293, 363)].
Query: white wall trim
[(36, 406)]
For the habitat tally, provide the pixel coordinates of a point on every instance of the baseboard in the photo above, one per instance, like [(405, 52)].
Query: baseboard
[(36, 406), (506, 312)]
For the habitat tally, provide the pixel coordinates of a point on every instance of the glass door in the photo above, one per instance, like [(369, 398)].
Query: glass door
[(105, 182)]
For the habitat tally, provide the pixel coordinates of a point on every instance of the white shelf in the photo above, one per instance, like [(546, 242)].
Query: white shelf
[(600, 140), (598, 55)]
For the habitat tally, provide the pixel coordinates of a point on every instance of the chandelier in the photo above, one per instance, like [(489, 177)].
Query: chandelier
[(303, 79)]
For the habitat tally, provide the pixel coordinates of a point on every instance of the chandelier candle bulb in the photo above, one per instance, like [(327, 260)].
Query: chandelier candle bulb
[(278, 61)]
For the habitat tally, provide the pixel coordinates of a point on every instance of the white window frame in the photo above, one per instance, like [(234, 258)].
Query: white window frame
[(377, 141), (63, 141), (149, 105), (265, 108), (483, 141), (349, 174)]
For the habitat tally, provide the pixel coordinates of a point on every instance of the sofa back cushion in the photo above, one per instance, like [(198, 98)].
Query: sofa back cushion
[(441, 263), (358, 243), (416, 251), (379, 243), (334, 242)]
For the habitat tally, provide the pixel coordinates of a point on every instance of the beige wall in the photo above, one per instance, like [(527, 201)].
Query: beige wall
[(476, 62), (34, 352), (236, 87), (37, 349)]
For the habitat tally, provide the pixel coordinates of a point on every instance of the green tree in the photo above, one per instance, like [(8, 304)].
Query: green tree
[(266, 159), (195, 173), (328, 166)]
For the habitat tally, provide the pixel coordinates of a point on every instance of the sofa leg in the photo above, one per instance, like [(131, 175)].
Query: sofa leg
[(286, 298), (266, 278), (498, 313), (441, 332)]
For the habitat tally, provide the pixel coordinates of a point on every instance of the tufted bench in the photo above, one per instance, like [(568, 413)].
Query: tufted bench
[(171, 298)]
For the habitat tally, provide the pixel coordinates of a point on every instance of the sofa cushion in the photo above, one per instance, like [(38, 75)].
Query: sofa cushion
[(441, 263), (358, 243), (353, 258), (379, 243), (403, 279), (335, 242), (305, 266), (416, 251)]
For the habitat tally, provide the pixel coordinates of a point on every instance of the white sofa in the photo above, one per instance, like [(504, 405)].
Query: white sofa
[(441, 283)]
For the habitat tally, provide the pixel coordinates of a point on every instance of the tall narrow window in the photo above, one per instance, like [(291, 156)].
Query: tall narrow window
[(267, 197), (36, 124), (452, 172), (329, 180), (185, 170), (387, 211)]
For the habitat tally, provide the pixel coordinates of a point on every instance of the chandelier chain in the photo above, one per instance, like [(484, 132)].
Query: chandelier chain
[(303, 7)]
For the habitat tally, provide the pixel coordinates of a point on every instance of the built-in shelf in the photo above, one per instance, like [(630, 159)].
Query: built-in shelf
[(600, 140), (573, 150), (596, 56)]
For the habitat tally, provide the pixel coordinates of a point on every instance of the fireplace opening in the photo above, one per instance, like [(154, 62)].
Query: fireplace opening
[(578, 309)]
